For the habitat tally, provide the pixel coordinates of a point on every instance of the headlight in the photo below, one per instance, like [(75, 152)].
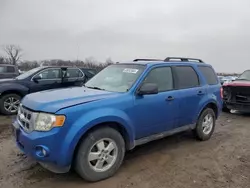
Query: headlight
[(45, 122)]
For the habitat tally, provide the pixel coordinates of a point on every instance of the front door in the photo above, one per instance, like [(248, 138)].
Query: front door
[(46, 79), (156, 113)]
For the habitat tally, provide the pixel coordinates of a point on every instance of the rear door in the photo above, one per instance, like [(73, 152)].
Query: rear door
[(191, 93), (49, 78)]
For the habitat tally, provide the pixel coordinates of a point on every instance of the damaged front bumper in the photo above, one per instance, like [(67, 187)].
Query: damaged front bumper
[(236, 98), (237, 106)]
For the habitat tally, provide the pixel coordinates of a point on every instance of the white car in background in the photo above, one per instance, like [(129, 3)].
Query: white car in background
[(228, 79)]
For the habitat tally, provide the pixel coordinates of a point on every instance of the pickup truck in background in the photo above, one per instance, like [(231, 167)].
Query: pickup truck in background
[(236, 94), (39, 79), (8, 71)]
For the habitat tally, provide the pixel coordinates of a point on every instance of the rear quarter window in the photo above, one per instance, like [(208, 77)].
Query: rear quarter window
[(209, 75)]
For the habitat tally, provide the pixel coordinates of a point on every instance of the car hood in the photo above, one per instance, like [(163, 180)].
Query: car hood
[(239, 83), (7, 80), (54, 100)]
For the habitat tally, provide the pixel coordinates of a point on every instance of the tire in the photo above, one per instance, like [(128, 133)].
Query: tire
[(201, 131), (89, 170), (8, 98)]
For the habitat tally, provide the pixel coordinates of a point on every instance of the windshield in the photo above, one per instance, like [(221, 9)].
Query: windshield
[(116, 78), (244, 76), (28, 73)]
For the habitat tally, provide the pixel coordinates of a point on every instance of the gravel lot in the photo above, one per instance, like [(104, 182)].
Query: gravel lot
[(178, 161)]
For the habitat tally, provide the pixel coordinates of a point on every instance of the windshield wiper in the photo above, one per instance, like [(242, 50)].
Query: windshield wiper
[(94, 87)]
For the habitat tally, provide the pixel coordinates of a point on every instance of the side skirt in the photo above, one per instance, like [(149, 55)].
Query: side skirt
[(153, 137)]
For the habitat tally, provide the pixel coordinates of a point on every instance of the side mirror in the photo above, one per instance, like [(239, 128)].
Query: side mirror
[(37, 78), (148, 89)]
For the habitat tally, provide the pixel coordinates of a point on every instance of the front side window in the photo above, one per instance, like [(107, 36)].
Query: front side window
[(49, 74), (186, 77), (116, 78), (162, 76)]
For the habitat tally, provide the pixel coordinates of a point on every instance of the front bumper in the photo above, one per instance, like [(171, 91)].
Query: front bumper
[(237, 106), (44, 147)]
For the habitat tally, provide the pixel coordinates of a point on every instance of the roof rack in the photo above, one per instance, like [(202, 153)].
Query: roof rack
[(147, 60), (183, 59)]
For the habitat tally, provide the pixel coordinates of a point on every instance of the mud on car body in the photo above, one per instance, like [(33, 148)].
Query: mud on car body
[(236, 94), (125, 105)]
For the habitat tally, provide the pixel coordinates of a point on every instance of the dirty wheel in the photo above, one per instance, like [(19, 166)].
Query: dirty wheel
[(100, 154), (9, 104), (205, 125)]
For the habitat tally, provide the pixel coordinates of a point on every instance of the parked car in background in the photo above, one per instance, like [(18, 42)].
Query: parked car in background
[(8, 71), (227, 79), (221, 79), (37, 79), (125, 105), (236, 94)]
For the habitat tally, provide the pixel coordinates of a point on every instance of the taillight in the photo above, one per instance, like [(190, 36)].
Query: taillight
[(221, 92)]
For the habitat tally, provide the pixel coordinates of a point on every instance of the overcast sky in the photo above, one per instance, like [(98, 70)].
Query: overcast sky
[(217, 31)]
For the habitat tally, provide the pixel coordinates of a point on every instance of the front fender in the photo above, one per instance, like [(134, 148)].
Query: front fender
[(88, 121), (14, 87)]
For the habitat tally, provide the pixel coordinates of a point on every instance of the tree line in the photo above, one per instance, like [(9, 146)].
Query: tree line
[(13, 55)]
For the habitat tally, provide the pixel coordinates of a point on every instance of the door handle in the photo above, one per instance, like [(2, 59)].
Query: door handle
[(200, 93), (169, 98)]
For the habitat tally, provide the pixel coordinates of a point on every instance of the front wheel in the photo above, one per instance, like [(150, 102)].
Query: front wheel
[(9, 104), (205, 125), (100, 154)]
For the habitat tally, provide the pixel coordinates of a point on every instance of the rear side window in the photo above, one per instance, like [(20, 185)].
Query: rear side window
[(209, 75), (74, 73), (186, 77), (10, 69)]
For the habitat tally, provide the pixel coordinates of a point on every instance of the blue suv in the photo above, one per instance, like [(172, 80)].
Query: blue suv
[(125, 105)]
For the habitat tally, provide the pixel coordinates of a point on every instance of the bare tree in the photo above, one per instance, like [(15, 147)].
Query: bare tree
[(14, 53)]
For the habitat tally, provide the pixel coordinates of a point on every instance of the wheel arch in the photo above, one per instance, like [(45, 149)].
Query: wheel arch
[(12, 91), (212, 105), (112, 124)]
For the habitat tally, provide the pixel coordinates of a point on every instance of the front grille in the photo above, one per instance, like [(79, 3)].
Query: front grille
[(25, 118), (237, 94)]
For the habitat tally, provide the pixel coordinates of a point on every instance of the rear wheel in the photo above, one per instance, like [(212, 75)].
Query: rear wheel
[(9, 104), (100, 154), (205, 125)]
